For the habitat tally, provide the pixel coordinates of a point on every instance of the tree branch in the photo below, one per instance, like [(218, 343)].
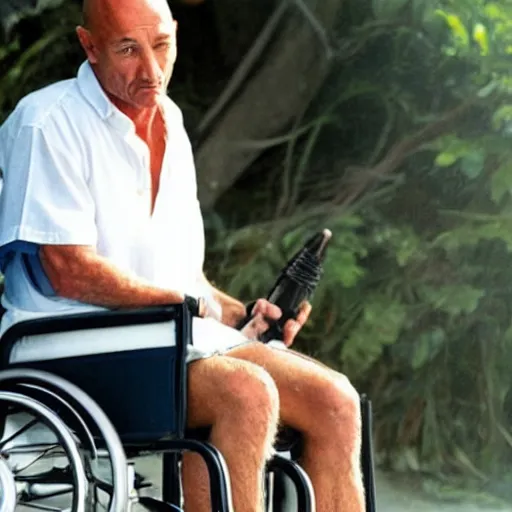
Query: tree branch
[(401, 150)]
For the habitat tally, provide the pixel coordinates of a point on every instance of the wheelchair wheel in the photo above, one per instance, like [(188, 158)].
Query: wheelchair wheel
[(24, 464), (7, 488), (102, 458)]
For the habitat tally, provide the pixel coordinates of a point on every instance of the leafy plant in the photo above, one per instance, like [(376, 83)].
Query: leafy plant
[(405, 155)]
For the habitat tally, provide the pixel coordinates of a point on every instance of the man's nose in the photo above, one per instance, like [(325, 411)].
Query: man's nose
[(150, 69)]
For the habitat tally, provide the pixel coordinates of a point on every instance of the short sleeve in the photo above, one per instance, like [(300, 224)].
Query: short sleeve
[(45, 197)]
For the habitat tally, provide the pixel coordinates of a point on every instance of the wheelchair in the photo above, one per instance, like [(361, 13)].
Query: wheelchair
[(73, 428)]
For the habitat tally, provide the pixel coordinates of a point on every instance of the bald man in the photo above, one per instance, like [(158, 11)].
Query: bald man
[(100, 185)]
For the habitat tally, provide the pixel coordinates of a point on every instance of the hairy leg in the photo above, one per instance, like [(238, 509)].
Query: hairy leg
[(240, 401), (324, 406)]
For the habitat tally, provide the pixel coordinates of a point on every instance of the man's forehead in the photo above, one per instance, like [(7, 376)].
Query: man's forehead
[(130, 29), (122, 16), (141, 32)]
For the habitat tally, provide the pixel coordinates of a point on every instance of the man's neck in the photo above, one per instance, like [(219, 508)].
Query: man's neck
[(143, 118)]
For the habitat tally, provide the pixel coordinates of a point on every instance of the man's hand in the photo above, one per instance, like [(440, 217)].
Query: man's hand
[(261, 313), (264, 311)]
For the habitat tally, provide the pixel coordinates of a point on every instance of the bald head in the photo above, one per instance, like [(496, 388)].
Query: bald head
[(131, 46), (110, 14)]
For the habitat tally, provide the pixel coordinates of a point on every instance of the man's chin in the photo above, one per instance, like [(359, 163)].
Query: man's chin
[(147, 98)]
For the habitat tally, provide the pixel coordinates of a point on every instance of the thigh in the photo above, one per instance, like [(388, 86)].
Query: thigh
[(307, 388)]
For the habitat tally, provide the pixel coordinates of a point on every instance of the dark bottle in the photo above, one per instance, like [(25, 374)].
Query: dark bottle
[(297, 282)]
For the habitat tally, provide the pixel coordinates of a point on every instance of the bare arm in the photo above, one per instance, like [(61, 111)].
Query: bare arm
[(233, 311), (79, 273)]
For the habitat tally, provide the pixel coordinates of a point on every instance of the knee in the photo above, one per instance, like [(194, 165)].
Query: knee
[(340, 410), (252, 395), (346, 400)]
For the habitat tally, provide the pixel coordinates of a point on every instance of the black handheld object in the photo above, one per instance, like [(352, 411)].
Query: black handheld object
[(297, 282)]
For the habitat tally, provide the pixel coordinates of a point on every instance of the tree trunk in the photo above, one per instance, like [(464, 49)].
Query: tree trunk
[(238, 24), (289, 73)]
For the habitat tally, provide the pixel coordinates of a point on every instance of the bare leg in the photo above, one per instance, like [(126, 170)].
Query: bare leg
[(324, 406), (240, 401)]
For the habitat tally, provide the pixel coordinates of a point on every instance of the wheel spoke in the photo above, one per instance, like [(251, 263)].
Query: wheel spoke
[(23, 449), (40, 456), (39, 506), (21, 431)]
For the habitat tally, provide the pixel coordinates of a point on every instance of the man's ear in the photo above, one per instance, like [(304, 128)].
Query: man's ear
[(86, 41)]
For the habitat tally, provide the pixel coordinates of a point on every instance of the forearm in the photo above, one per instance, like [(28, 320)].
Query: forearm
[(80, 274)]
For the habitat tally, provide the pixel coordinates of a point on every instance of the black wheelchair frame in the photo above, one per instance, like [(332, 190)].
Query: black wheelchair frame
[(70, 390)]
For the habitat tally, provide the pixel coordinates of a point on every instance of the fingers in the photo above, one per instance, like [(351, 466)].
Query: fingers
[(266, 309), (304, 312), (293, 326), (290, 330), (256, 327)]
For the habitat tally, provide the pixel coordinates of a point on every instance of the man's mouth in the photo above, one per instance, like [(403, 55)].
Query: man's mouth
[(156, 86)]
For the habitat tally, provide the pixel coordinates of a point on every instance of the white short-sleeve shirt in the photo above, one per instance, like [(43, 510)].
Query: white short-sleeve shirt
[(75, 172)]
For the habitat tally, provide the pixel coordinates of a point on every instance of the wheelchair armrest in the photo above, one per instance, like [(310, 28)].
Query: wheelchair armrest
[(103, 319)]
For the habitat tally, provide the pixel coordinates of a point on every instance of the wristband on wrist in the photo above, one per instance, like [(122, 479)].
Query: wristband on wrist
[(193, 304)]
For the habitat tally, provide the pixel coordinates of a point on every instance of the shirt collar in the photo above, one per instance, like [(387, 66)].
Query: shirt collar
[(93, 92)]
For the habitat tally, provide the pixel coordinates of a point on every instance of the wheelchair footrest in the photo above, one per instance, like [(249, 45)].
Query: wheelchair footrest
[(153, 505)]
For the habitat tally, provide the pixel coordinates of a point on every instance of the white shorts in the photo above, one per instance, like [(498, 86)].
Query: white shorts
[(209, 337)]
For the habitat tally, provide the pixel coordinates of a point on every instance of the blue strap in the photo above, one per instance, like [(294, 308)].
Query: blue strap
[(8, 251), (30, 255), (37, 274)]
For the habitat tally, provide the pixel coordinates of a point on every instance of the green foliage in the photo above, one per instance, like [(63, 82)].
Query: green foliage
[(14, 11), (451, 299), (381, 323), (415, 304), (47, 53)]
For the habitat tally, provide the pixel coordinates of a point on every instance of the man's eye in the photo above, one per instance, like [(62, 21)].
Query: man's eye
[(162, 46), (129, 50)]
